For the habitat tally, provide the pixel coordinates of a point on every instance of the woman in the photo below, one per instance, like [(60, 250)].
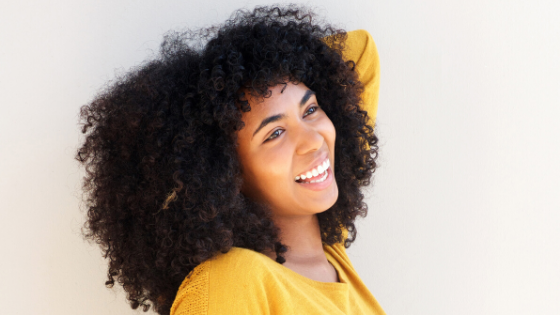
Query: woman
[(226, 179)]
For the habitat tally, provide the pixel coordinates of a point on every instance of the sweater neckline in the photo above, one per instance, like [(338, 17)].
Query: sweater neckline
[(342, 285)]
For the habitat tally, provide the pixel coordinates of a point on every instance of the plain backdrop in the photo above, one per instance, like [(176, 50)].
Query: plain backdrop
[(464, 210)]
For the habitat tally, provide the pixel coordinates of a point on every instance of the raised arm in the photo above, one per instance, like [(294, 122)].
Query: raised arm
[(361, 49)]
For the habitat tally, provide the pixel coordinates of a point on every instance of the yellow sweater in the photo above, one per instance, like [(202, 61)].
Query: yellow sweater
[(243, 281)]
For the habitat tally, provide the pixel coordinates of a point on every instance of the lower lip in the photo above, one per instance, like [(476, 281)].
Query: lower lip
[(322, 185)]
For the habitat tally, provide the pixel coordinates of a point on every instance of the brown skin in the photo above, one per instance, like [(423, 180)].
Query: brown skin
[(295, 144)]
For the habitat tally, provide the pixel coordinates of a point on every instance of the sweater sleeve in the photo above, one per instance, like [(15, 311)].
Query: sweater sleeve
[(360, 48)]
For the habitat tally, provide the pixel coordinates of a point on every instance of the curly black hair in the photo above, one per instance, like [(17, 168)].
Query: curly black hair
[(163, 178)]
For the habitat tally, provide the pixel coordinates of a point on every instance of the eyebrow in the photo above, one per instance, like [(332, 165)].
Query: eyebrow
[(274, 118), (306, 97)]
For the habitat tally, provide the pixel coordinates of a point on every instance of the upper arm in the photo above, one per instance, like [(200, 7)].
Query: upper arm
[(360, 48)]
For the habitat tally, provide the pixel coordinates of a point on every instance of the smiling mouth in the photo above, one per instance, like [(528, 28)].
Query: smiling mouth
[(316, 175)]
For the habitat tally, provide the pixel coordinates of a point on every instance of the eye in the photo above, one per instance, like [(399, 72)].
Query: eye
[(309, 111), (274, 134)]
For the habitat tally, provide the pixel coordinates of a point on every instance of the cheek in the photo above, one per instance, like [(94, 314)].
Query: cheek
[(273, 166), (264, 173), (329, 131)]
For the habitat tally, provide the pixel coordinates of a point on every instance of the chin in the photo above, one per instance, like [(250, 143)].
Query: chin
[(325, 203)]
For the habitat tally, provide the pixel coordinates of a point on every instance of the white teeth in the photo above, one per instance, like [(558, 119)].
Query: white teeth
[(320, 170), (322, 179)]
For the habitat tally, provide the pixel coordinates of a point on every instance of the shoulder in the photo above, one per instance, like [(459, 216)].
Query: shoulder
[(192, 296), (240, 273), (224, 280), (338, 251)]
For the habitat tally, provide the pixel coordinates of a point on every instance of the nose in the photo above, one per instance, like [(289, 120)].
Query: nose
[(309, 139)]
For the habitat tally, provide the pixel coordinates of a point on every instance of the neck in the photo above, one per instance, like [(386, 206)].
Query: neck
[(302, 236)]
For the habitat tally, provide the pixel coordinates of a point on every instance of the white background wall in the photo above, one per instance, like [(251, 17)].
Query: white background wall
[(464, 212)]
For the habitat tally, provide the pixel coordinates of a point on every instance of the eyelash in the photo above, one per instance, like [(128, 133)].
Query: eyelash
[(316, 108), (274, 133)]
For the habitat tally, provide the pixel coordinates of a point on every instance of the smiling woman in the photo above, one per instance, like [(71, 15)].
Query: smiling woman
[(227, 180)]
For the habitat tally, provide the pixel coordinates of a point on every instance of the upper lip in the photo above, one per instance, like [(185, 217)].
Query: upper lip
[(318, 161)]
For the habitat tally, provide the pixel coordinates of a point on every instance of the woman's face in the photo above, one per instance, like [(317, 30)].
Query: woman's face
[(287, 137)]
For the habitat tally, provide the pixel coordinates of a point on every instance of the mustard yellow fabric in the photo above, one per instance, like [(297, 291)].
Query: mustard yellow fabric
[(361, 48), (243, 281)]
